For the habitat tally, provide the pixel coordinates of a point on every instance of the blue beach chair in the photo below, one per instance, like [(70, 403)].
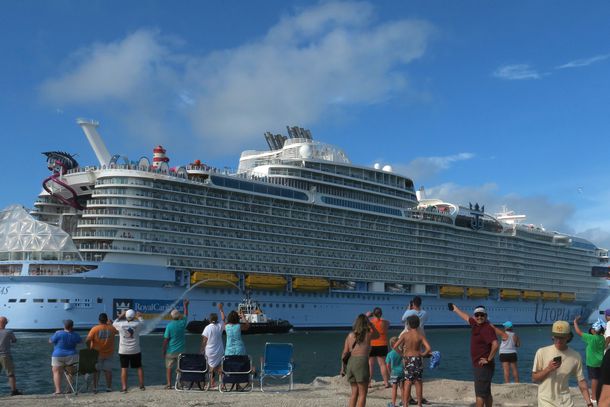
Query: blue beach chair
[(192, 369), (277, 363)]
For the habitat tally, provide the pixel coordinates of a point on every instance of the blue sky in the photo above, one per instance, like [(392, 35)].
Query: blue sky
[(501, 103)]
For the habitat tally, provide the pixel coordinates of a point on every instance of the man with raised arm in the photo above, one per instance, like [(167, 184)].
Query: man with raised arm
[(130, 324), (483, 348), (173, 340)]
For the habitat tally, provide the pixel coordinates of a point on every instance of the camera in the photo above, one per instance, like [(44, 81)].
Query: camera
[(450, 306)]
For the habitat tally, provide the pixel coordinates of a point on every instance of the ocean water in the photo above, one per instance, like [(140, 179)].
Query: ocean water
[(317, 353)]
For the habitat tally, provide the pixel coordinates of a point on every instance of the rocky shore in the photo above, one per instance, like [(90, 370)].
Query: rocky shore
[(323, 391)]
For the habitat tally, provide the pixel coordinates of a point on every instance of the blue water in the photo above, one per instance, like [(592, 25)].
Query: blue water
[(317, 353)]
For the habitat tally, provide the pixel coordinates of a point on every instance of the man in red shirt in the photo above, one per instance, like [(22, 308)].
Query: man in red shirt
[(483, 348)]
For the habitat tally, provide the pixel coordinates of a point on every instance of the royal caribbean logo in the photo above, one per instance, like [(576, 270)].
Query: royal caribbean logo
[(476, 223), (150, 308)]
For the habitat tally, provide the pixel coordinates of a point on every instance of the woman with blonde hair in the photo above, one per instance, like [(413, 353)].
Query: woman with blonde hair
[(358, 346)]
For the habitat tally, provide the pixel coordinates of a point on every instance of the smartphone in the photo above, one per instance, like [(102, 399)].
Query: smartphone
[(450, 306), (557, 359)]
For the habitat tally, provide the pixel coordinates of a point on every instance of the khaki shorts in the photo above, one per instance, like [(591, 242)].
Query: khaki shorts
[(6, 363), (357, 370), (104, 364), (61, 361), (171, 359)]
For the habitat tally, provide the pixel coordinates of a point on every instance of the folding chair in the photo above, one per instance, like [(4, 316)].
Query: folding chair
[(237, 371), (277, 363), (86, 366), (192, 368)]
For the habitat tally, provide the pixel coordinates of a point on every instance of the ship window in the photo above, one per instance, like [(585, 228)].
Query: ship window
[(12, 300), (289, 305), (100, 300), (64, 300), (84, 188), (228, 304), (22, 300), (302, 305), (213, 304), (51, 299), (38, 300), (283, 305)]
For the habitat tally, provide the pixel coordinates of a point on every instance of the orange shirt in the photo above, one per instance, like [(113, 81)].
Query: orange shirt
[(380, 325), (102, 339)]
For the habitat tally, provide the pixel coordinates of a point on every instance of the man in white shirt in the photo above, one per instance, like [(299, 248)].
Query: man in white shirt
[(415, 309), (130, 324), (553, 366)]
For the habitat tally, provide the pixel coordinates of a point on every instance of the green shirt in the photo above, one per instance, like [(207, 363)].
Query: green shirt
[(175, 333), (595, 349)]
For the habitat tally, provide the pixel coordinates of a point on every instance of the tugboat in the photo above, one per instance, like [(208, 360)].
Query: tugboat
[(249, 311)]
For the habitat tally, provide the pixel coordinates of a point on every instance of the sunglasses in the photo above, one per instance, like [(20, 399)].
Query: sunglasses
[(480, 314)]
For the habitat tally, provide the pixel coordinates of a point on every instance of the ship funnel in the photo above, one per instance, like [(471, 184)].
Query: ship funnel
[(420, 193), (97, 144)]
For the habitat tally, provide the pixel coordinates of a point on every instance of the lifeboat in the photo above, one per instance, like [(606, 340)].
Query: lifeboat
[(265, 282), (567, 297), (216, 279), (531, 295), (343, 285), (550, 296), (477, 292), (310, 284), (509, 294), (451, 291)]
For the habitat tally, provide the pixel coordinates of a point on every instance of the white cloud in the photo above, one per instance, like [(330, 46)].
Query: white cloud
[(424, 168), (584, 62), (516, 72), (323, 58)]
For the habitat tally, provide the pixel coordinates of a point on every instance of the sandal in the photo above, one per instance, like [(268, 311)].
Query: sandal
[(168, 387), (143, 388)]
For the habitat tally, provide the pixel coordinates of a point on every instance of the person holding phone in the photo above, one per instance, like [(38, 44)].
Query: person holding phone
[(483, 348), (553, 366)]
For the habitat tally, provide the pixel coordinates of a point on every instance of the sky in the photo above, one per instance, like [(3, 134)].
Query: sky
[(500, 103)]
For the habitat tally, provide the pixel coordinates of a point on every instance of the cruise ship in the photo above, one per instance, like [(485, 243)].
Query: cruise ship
[(315, 239)]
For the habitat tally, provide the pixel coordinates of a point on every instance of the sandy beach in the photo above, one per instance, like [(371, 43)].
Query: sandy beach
[(323, 391)]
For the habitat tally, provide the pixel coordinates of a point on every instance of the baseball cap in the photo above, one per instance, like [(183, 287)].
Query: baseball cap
[(560, 328), (508, 324), (480, 309), (175, 314), (130, 314)]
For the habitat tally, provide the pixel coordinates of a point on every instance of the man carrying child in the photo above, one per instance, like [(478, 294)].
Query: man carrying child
[(412, 342)]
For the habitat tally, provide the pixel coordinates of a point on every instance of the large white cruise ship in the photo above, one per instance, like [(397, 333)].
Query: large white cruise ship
[(313, 238)]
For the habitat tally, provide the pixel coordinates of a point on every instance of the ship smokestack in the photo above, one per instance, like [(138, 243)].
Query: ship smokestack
[(97, 143), (420, 193)]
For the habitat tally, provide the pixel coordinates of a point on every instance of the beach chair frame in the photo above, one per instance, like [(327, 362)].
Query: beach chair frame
[(232, 377), (277, 363), (181, 371), (85, 366)]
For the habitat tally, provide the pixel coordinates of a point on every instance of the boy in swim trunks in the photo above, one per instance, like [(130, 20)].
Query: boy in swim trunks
[(412, 342), (393, 362)]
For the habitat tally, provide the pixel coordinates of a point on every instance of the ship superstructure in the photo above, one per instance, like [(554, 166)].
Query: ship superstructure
[(298, 223)]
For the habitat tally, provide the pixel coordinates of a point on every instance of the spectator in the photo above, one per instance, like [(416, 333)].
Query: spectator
[(173, 341), (7, 337), (101, 338), (415, 309), (483, 348), (594, 352), (553, 366), (211, 343), (379, 346), (64, 354), (508, 351), (130, 324), (233, 328), (358, 346), (394, 365)]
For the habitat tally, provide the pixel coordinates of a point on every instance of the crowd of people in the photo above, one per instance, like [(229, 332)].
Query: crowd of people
[(400, 359)]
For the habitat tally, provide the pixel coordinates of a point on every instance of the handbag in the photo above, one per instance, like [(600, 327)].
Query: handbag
[(346, 357)]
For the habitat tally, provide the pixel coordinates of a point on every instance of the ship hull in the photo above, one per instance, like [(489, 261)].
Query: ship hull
[(39, 303)]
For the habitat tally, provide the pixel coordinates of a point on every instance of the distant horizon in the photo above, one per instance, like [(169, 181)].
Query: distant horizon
[(500, 104)]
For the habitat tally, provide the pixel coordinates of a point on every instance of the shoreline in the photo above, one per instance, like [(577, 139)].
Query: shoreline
[(323, 391)]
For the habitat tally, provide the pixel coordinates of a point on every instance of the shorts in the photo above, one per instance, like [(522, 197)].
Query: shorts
[(508, 357), (594, 373), (357, 370), (6, 364), (133, 360), (62, 361), (104, 364), (605, 378), (171, 359), (397, 379), (413, 368), (381, 351), (482, 380)]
